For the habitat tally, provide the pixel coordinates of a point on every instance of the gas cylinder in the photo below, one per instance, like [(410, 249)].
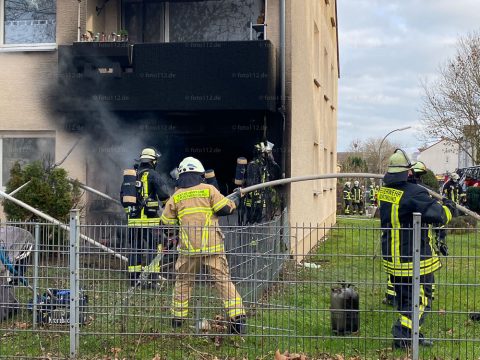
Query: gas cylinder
[(240, 171), (129, 187), (344, 309), (210, 178)]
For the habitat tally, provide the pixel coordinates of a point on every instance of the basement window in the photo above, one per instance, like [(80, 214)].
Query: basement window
[(25, 150), (28, 24)]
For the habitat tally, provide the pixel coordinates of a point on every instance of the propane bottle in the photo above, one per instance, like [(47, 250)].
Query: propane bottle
[(240, 171), (344, 310)]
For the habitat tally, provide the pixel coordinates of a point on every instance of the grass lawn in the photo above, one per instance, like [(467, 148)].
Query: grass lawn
[(294, 315)]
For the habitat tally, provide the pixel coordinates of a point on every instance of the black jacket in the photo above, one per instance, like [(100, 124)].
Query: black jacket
[(399, 199)]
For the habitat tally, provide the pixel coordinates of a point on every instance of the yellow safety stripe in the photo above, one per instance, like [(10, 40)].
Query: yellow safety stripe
[(209, 249), (232, 302), (391, 292), (220, 204), (180, 313), (145, 184), (395, 234), (406, 322), (194, 210), (152, 203), (235, 312), (424, 270), (144, 222), (409, 265), (168, 221), (134, 268), (448, 213), (192, 194), (423, 301), (177, 303)]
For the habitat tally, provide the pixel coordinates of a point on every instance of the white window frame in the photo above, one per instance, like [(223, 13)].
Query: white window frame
[(22, 135), (20, 47)]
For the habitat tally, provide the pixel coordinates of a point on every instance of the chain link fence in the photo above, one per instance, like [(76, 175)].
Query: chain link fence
[(79, 302)]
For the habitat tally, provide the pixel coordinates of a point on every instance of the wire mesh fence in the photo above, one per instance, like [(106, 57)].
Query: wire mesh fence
[(83, 304)]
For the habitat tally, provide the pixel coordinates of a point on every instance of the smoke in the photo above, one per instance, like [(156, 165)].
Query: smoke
[(112, 140)]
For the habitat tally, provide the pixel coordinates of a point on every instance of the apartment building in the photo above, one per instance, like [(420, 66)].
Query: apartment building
[(194, 78)]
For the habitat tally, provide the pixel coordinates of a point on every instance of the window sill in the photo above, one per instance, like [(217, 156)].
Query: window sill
[(27, 47)]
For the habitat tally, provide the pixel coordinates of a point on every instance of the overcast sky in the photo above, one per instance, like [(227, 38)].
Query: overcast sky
[(386, 48)]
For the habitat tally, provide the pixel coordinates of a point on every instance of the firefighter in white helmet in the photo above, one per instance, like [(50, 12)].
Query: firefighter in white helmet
[(195, 207), (357, 198)]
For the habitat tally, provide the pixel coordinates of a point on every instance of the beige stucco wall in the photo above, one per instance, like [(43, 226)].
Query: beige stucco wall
[(26, 77), (312, 113)]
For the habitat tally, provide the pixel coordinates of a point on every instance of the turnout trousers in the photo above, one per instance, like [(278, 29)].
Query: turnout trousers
[(188, 266), (143, 248), (402, 329)]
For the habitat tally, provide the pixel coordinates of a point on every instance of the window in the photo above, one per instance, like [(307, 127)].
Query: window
[(24, 150), (146, 21), (27, 22), (316, 54)]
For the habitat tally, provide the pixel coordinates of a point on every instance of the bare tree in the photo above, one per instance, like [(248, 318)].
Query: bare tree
[(375, 159), (451, 108)]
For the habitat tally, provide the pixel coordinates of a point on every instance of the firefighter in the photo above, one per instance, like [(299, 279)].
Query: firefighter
[(372, 194), (347, 198), (262, 205), (357, 198), (195, 207), (453, 190), (399, 199), (144, 216), (414, 176)]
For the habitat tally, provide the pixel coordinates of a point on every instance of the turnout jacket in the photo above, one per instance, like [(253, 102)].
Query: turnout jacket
[(398, 201), (357, 194), (347, 194), (196, 210)]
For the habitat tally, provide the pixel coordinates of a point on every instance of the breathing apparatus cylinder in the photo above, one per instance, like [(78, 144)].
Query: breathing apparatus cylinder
[(240, 171), (210, 178), (129, 187)]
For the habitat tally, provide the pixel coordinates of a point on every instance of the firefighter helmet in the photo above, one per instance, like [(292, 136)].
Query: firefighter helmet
[(348, 183), (455, 177), (419, 168), (398, 162), (149, 154), (356, 183), (190, 164)]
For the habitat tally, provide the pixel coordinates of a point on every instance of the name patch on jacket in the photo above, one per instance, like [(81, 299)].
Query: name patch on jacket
[(192, 194), (390, 195)]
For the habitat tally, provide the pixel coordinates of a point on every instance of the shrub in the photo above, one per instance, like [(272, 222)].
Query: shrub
[(48, 191)]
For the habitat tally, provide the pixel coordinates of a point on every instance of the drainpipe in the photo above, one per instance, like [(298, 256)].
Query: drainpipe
[(282, 80), (79, 28)]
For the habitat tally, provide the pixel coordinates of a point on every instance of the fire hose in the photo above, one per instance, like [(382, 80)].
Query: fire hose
[(343, 175)]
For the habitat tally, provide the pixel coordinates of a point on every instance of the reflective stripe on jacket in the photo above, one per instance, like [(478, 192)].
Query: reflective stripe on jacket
[(347, 195), (142, 220), (398, 203), (194, 210)]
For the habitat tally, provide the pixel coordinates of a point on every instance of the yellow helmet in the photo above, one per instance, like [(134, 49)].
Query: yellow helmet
[(399, 162), (149, 154), (419, 168)]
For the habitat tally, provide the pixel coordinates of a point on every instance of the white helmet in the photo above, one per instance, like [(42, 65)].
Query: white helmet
[(355, 183), (455, 177), (190, 164), (348, 183)]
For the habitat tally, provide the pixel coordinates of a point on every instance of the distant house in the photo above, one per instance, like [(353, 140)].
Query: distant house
[(441, 157)]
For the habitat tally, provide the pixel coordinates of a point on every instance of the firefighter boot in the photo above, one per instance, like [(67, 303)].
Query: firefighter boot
[(176, 323), (238, 325)]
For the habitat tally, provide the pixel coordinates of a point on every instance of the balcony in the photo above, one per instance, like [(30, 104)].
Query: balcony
[(169, 77)]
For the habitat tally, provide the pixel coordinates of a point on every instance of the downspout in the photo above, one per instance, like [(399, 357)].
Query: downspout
[(282, 80), (79, 28)]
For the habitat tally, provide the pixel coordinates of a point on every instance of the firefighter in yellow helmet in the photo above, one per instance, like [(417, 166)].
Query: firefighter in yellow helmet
[(399, 199), (357, 198), (149, 190), (195, 207)]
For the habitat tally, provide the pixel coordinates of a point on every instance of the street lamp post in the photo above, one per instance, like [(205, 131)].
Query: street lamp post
[(381, 143)]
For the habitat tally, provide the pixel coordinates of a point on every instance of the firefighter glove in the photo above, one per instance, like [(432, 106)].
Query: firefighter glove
[(450, 205), (442, 247), (235, 196)]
